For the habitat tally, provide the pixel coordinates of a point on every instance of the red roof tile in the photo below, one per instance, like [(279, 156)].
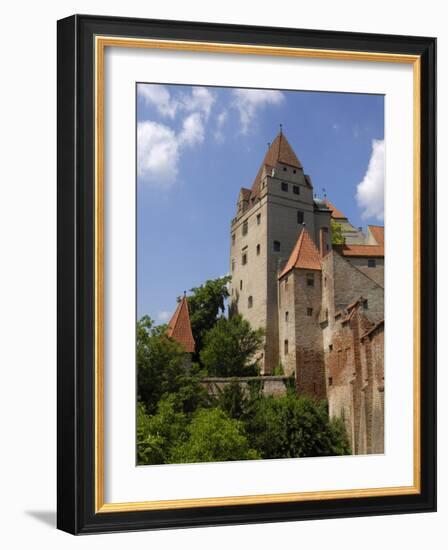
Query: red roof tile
[(304, 255), (179, 328), (360, 250), (378, 233), (335, 213), (279, 151)]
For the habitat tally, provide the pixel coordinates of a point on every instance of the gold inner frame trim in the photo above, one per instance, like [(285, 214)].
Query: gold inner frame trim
[(101, 42)]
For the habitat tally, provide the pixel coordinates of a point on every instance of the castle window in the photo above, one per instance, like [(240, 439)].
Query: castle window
[(241, 285), (326, 315), (310, 279), (250, 302), (245, 228), (300, 216), (296, 189), (276, 246), (309, 311), (244, 258), (233, 239), (286, 316), (258, 219), (284, 186), (330, 347), (233, 265), (325, 281), (258, 249), (286, 347), (330, 381), (371, 263)]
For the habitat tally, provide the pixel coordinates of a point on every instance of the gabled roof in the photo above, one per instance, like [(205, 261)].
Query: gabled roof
[(179, 327), (304, 255), (378, 233), (279, 151), (335, 213)]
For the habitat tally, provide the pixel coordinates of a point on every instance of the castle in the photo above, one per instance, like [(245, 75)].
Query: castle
[(321, 305)]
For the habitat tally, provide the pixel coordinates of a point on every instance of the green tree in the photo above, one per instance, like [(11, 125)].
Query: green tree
[(213, 436), (158, 434), (230, 348), (289, 427), (336, 233), (162, 369), (205, 305)]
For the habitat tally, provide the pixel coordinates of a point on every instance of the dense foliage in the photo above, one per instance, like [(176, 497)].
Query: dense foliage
[(178, 421), (230, 348), (336, 233), (206, 303)]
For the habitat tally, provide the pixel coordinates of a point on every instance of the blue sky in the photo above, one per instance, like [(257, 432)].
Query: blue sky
[(197, 146)]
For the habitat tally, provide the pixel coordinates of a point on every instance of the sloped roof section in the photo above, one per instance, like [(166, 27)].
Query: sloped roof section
[(335, 213), (279, 151), (245, 193), (179, 328), (378, 234), (360, 250), (304, 255)]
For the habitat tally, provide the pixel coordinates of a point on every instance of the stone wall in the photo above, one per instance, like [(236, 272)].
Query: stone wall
[(277, 386)]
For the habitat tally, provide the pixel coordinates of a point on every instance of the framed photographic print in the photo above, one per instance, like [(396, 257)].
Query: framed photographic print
[(246, 274)]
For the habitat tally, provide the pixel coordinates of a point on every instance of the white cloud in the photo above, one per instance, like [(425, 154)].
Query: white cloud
[(192, 132), (163, 316), (248, 102), (157, 153), (200, 100), (158, 96), (169, 105), (221, 120), (370, 191), (159, 148)]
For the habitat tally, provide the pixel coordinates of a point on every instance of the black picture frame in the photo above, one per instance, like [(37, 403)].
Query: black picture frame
[(76, 254)]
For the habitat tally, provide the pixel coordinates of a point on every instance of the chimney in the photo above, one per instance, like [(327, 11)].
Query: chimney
[(323, 235)]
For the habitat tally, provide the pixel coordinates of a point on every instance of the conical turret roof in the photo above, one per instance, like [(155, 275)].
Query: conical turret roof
[(304, 255), (179, 327), (279, 151)]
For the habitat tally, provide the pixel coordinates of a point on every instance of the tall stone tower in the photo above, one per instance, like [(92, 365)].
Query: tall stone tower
[(269, 217)]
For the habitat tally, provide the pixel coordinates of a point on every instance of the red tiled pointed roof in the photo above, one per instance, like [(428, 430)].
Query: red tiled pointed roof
[(378, 234), (304, 255), (279, 151), (335, 213), (179, 328)]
